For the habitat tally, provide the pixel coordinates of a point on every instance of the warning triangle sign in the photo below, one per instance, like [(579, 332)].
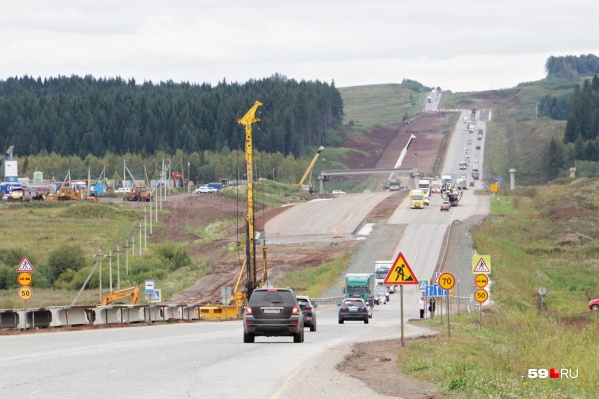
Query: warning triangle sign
[(400, 273), (25, 265), (480, 265)]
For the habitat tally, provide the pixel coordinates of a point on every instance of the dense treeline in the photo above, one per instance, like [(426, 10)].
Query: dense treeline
[(557, 108), (583, 123), (571, 66), (81, 116), (580, 144)]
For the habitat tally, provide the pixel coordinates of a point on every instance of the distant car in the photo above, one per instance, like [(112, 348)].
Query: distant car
[(273, 312), (369, 310), (353, 309), (309, 311), (594, 304), (205, 189), (338, 192), (381, 295), (472, 183), (445, 205), (123, 190), (435, 189)]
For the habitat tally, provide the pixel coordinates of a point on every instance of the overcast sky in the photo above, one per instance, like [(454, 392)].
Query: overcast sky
[(461, 45)]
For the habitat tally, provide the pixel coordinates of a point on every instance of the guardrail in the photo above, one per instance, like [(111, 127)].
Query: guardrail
[(70, 316)]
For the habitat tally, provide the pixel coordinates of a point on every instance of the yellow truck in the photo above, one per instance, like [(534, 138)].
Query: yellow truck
[(417, 199)]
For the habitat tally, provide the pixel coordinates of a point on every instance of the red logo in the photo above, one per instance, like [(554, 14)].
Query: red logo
[(554, 373)]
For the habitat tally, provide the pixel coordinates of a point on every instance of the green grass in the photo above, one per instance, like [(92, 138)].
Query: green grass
[(539, 236)]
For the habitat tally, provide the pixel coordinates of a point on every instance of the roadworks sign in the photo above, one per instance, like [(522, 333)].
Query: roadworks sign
[(400, 273), (481, 264)]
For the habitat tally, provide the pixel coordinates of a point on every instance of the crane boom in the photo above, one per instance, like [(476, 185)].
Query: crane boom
[(403, 154), (310, 166), (250, 247)]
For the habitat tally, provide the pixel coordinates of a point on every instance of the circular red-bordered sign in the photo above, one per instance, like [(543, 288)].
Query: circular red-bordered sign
[(481, 295), (25, 293), (481, 280), (446, 281)]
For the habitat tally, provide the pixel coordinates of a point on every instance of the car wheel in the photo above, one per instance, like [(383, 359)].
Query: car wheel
[(299, 337), (340, 321), (248, 338), (366, 320), (313, 326), (595, 307)]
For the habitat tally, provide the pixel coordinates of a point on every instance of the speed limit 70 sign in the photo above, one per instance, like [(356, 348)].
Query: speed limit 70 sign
[(446, 281)]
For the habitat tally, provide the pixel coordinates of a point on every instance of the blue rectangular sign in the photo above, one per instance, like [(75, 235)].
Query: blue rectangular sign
[(435, 290)]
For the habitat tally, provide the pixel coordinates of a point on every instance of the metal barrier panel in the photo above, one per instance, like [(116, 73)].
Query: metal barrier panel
[(38, 318), (132, 314)]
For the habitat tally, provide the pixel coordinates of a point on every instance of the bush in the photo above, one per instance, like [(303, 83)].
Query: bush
[(64, 258)]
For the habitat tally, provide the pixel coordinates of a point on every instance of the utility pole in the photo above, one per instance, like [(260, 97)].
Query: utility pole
[(118, 266)]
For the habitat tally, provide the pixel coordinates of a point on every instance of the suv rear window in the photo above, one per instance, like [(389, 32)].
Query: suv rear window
[(266, 298)]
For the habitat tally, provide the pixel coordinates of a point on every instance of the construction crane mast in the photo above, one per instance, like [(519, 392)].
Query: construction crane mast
[(393, 175), (250, 247), (310, 167)]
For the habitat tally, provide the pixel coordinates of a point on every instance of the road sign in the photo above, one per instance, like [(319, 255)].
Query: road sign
[(435, 290), (25, 278), (156, 296), (238, 295), (481, 295), (422, 284), (25, 293), (400, 273), (25, 265), (446, 281), (481, 264), (481, 280), (239, 303), (150, 285)]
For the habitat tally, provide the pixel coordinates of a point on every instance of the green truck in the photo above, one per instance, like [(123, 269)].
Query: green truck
[(360, 285)]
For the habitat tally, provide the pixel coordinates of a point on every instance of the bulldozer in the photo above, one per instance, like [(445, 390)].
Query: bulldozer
[(66, 193), (132, 292), (140, 193)]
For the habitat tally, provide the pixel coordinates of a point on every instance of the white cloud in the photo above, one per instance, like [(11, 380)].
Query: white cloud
[(462, 45)]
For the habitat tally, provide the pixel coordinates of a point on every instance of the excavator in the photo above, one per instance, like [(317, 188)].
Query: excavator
[(132, 292), (308, 172)]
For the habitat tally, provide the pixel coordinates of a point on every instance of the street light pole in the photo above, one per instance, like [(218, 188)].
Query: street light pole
[(188, 179)]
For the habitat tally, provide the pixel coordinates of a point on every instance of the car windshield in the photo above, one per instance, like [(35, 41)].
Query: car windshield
[(268, 298), (353, 303)]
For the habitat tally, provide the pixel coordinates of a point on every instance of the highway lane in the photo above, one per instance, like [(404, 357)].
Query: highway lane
[(195, 360)]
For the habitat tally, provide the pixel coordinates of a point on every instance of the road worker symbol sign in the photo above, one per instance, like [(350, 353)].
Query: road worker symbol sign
[(481, 264), (400, 273)]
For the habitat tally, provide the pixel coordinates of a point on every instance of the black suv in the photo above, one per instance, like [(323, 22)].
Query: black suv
[(273, 312), (308, 309)]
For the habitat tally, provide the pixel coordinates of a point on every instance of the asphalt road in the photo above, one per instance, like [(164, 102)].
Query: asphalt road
[(209, 359)]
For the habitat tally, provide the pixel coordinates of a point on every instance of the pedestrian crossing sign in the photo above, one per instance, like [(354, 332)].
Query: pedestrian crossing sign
[(25, 265), (481, 264), (400, 273)]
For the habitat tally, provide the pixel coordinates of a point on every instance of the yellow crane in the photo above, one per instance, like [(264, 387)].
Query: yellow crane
[(250, 247), (309, 170)]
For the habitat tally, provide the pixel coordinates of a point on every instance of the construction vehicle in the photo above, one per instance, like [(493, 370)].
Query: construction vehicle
[(178, 180), (17, 194), (132, 292), (360, 285), (308, 187), (140, 193), (392, 182), (451, 193)]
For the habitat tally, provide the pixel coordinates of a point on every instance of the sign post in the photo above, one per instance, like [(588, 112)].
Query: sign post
[(400, 274), (447, 281), (25, 278)]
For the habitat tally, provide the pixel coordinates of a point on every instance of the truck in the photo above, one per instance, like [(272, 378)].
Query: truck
[(381, 270), (417, 199), (360, 285)]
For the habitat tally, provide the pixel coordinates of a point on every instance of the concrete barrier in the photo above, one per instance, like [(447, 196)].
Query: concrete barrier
[(9, 318)]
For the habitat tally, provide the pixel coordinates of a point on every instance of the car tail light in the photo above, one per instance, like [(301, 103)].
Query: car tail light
[(295, 310), (248, 310)]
